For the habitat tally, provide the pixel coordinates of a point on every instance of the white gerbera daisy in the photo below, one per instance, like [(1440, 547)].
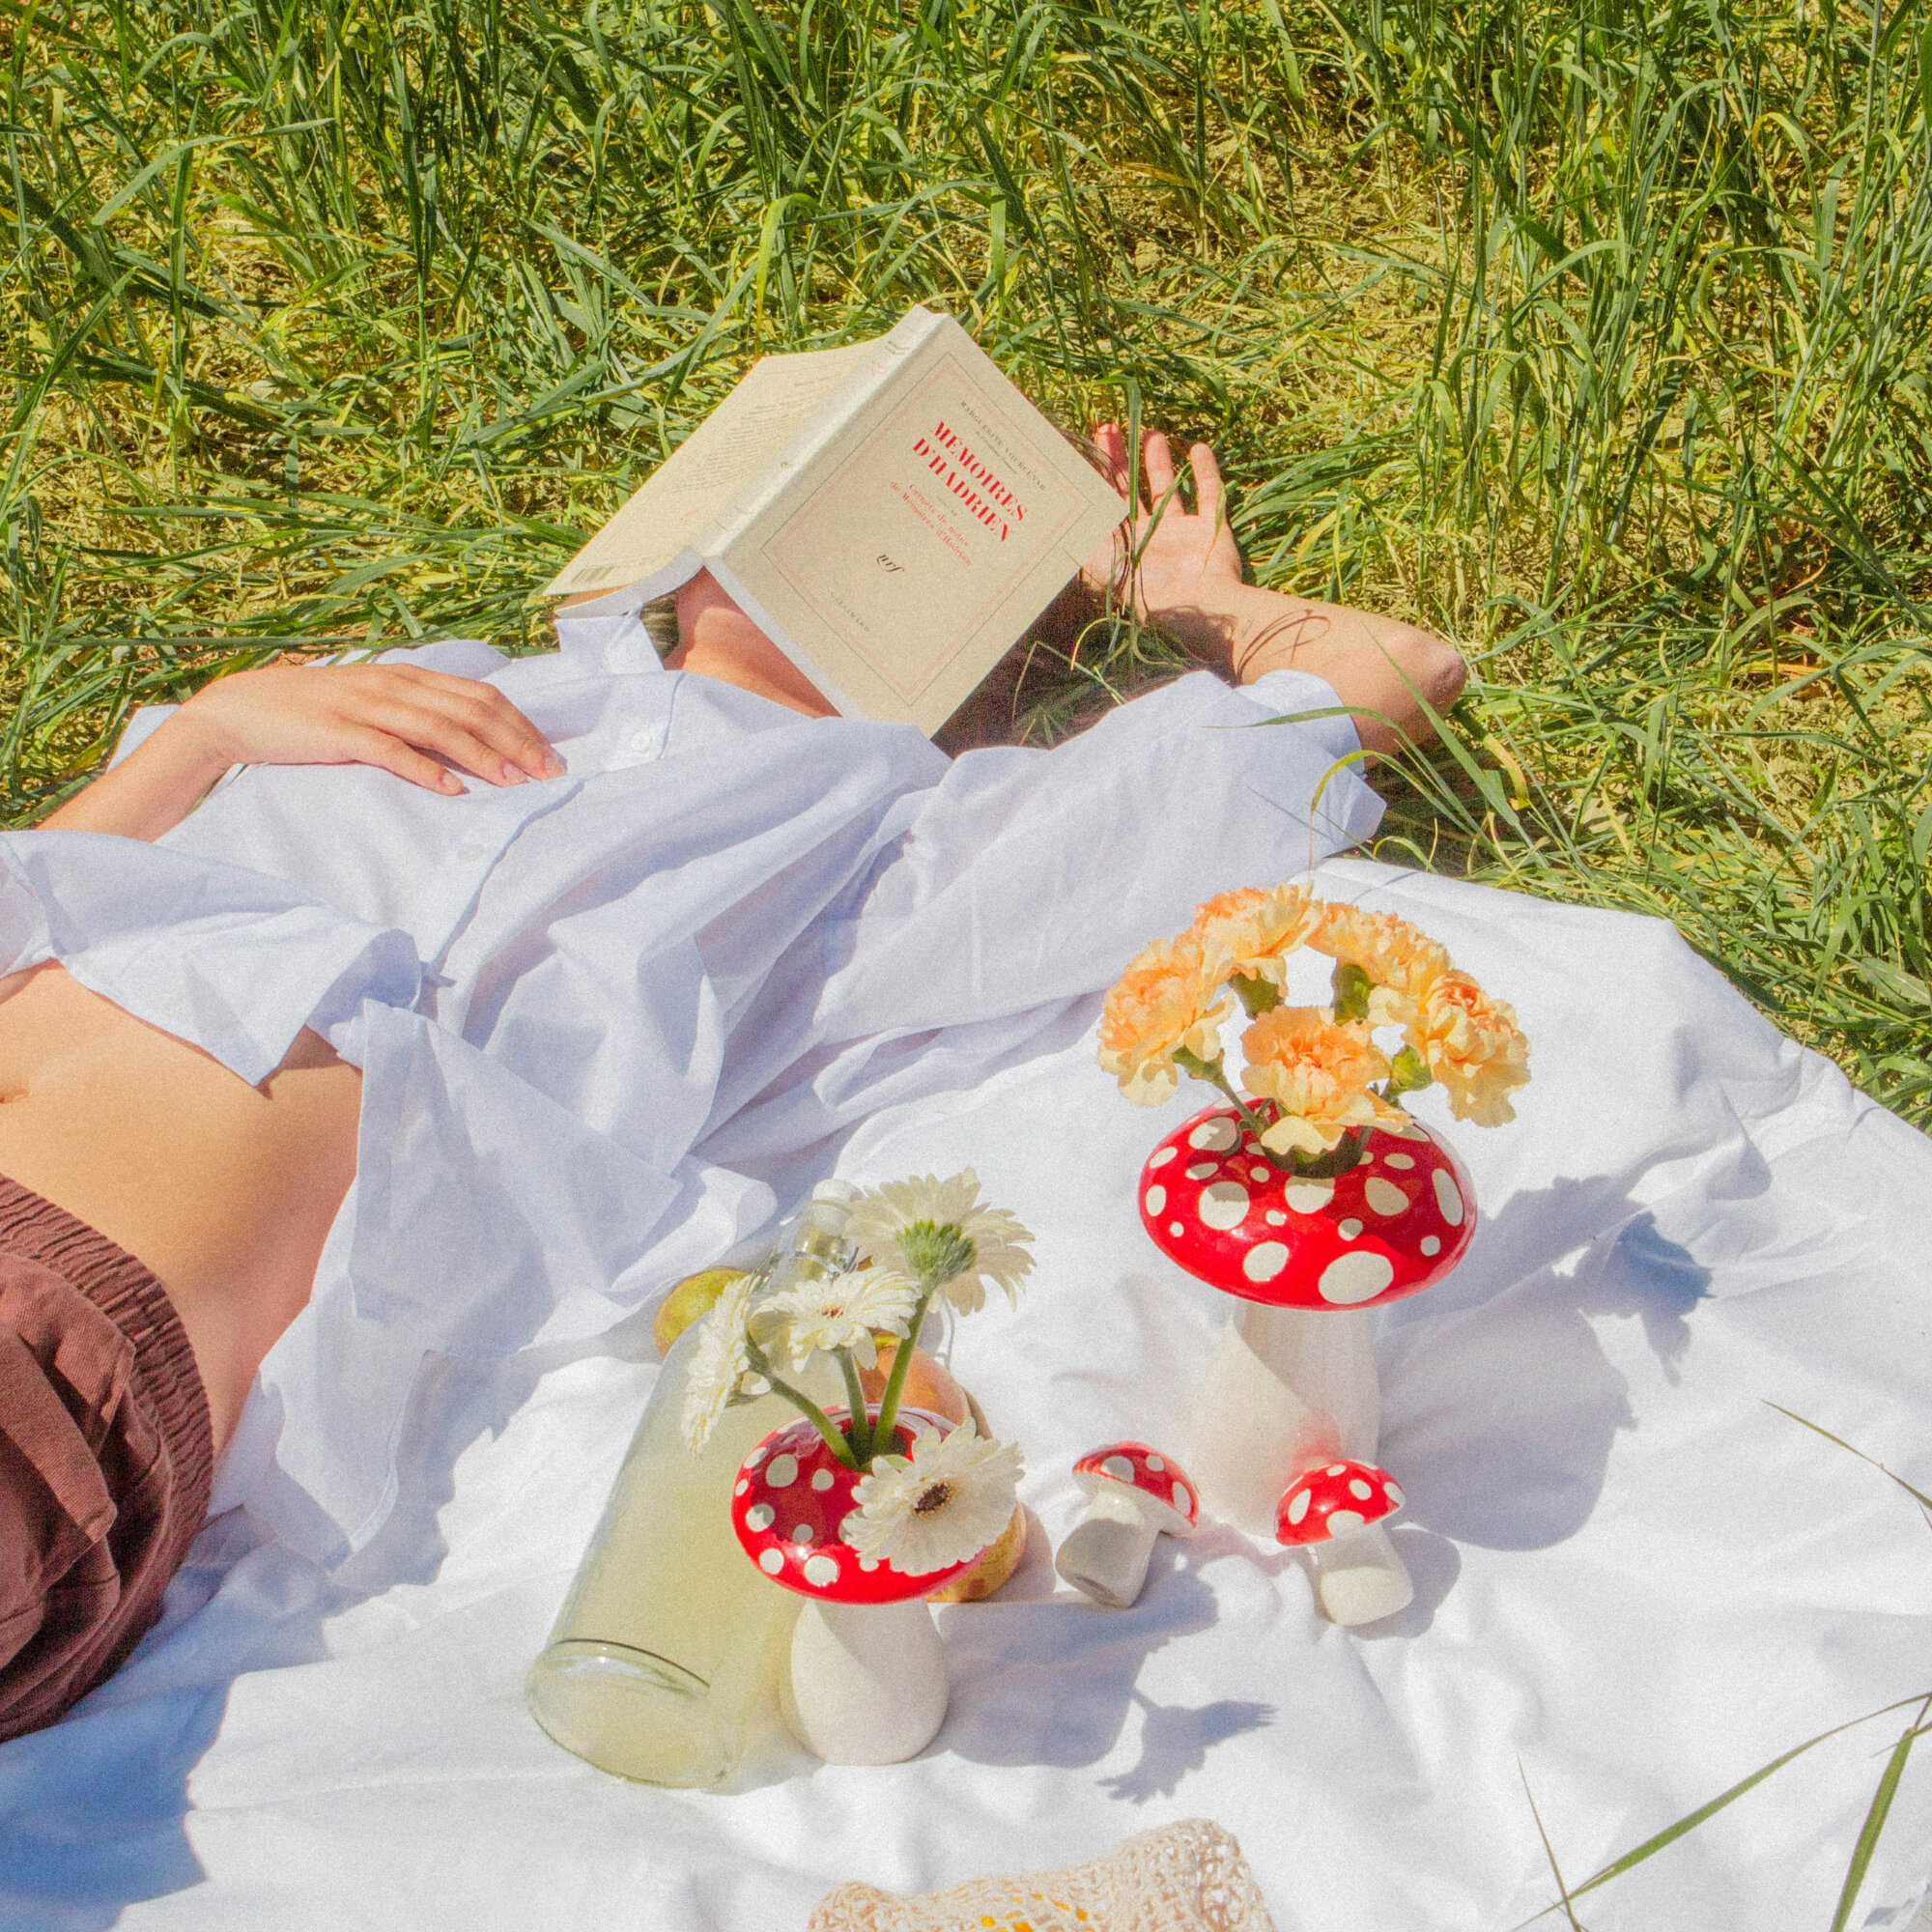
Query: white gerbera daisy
[(720, 1364), (941, 1507), (938, 1232), (845, 1311)]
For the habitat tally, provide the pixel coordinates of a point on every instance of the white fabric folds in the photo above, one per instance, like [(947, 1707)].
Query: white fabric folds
[(733, 951)]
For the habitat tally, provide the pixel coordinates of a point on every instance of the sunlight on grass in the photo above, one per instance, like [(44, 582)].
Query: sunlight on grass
[(1593, 337)]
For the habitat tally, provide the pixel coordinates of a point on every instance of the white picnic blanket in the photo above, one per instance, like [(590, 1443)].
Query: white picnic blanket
[(1638, 1581)]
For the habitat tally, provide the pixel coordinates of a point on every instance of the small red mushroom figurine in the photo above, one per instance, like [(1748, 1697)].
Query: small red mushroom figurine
[(1134, 1494), (1336, 1513)]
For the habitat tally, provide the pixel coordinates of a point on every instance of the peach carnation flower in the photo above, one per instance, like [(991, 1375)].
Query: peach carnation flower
[(1402, 962), (1317, 1074), (1253, 931), (1473, 1046), (1162, 1003)]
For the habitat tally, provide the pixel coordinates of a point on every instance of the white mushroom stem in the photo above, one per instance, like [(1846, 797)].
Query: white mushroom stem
[(865, 1682), (1286, 1390), (1105, 1553), (1360, 1577)]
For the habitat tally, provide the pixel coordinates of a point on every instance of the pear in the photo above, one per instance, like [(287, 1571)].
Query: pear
[(692, 1297)]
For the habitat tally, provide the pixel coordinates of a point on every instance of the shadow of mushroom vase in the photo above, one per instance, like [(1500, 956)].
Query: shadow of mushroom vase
[(1309, 1195)]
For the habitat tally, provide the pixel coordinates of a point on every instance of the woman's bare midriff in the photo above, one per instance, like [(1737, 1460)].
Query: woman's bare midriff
[(224, 1190)]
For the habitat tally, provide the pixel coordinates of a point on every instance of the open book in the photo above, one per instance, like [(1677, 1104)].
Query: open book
[(892, 514)]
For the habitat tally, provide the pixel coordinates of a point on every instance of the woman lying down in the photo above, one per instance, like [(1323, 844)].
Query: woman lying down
[(478, 999)]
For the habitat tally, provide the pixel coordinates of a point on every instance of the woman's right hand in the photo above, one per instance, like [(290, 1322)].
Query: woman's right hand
[(415, 722)]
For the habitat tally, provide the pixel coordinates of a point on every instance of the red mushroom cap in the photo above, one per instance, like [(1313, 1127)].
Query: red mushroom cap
[(1395, 1223), (1334, 1500), (1156, 1476), (791, 1496)]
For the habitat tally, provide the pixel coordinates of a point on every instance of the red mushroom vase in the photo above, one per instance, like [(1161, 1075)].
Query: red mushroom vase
[(864, 1680), (1292, 1384)]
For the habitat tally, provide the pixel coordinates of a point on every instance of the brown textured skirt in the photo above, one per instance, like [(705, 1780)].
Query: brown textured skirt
[(105, 1456)]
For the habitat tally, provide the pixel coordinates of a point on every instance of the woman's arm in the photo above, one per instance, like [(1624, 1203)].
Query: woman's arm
[(412, 722), (1183, 569)]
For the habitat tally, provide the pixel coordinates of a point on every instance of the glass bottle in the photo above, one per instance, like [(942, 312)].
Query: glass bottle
[(669, 1638)]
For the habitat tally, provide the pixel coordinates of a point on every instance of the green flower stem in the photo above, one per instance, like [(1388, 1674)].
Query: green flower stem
[(1213, 1072), (855, 1396), (888, 1408), (835, 1436)]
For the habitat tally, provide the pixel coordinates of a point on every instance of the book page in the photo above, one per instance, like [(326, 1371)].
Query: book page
[(778, 396), (939, 525)]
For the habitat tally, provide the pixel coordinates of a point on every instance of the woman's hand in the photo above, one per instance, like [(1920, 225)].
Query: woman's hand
[(1179, 563), (415, 722), (408, 721), (1392, 675)]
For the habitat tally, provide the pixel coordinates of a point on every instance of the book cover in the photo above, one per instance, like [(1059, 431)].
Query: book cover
[(892, 514)]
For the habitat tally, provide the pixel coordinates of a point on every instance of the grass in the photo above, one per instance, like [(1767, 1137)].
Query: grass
[(1593, 335)]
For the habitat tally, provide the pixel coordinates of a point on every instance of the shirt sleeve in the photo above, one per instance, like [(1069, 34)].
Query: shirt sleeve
[(1022, 882)]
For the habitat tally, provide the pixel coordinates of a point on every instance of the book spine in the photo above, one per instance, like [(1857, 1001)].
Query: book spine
[(839, 410)]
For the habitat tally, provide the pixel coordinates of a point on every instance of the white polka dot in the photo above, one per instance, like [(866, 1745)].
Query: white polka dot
[(1359, 1276), (1223, 1205), (821, 1480), (783, 1471), (1155, 1463), (1298, 1508), (741, 1489), (1342, 1522), (1336, 1469), (1308, 1197), (1276, 1218), (1359, 1489), (1161, 1156), (771, 1561), (757, 1456), (1259, 1173), (1251, 1145), (1176, 1229), (1349, 1229), (1383, 1196), (868, 1564), (1448, 1196), (1403, 1160), (1156, 1200), (1393, 1494), (821, 1570), (1220, 1133), (1431, 1244), (1264, 1260), (803, 1533), (1119, 1468), (1204, 1169), (759, 1517)]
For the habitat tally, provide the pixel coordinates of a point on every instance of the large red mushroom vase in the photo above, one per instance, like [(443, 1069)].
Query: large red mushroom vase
[(864, 1681), (1291, 1385)]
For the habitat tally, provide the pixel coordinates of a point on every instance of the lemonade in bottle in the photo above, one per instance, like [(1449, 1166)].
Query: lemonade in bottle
[(669, 1638)]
